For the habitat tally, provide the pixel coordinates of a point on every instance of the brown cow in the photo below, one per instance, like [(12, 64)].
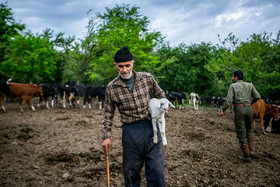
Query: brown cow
[(26, 92), (261, 109)]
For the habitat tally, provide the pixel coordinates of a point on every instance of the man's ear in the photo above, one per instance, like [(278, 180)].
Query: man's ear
[(115, 64)]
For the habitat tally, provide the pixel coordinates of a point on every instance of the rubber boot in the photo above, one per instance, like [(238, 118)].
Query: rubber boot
[(250, 144), (246, 153)]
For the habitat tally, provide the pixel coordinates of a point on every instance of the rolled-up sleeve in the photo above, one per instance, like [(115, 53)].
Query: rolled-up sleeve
[(229, 98), (109, 109)]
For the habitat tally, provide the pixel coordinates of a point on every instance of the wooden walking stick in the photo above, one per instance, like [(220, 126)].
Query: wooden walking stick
[(108, 167)]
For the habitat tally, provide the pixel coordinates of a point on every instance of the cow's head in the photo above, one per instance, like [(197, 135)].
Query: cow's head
[(5, 87), (274, 111)]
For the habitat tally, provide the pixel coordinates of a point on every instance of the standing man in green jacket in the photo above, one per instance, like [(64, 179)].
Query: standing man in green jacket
[(240, 95)]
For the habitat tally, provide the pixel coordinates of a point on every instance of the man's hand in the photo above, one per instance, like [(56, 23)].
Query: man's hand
[(222, 114), (106, 145)]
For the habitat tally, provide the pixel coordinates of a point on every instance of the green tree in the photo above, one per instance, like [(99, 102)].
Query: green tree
[(8, 28), (117, 27), (30, 58), (188, 73), (258, 58)]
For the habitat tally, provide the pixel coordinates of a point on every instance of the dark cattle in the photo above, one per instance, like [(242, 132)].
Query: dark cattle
[(273, 126), (205, 100), (25, 92), (4, 91), (220, 101), (93, 92), (261, 109), (49, 90), (70, 93), (81, 89), (176, 97)]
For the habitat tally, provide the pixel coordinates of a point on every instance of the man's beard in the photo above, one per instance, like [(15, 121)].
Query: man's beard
[(126, 77)]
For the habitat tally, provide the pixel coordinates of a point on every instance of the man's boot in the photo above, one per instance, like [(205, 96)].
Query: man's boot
[(246, 153), (250, 144)]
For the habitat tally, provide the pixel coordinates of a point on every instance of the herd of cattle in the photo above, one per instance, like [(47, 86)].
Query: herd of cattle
[(70, 93), (56, 93)]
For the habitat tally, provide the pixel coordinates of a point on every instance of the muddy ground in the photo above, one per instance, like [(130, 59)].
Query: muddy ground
[(62, 147)]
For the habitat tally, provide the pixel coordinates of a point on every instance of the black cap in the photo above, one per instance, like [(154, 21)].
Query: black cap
[(123, 55)]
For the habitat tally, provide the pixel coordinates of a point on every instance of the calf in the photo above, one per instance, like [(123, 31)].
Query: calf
[(158, 108), (93, 92), (71, 94), (261, 109), (194, 98), (26, 92), (177, 97), (49, 90), (205, 100)]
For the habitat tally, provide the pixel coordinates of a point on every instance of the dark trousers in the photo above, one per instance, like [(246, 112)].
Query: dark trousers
[(138, 148), (243, 123)]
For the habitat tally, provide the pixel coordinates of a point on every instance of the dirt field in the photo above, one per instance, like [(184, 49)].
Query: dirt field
[(62, 147)]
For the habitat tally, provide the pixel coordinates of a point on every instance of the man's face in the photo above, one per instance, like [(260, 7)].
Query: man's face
[(233, 79), (125, 69)]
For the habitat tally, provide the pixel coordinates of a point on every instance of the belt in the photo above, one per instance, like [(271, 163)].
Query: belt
[(242, 104)]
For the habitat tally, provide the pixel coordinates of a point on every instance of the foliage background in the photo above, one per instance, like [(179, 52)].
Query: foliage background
[(203, 68)]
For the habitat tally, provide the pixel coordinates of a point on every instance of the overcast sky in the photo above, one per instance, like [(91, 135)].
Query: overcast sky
[(188, 21)]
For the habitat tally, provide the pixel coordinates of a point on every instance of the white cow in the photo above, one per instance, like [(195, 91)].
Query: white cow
[(194, 98), (158, 108)]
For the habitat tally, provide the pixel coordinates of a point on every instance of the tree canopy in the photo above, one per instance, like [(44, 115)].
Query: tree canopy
[(202, 68)]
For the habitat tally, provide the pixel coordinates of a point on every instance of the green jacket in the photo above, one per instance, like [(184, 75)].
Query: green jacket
[(240, 93)]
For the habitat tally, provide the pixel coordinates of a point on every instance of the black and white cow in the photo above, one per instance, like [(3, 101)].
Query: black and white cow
[(194, 99), (176, 97), (93, 92), (49, 91), (70, 93)]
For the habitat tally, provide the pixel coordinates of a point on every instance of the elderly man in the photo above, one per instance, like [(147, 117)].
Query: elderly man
[(130, 92)]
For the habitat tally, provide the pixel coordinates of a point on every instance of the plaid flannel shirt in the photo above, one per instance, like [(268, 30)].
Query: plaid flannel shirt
[(132, 104)]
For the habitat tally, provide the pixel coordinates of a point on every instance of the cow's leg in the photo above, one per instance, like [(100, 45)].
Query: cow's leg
[(70, 100), (63, 100), (52, 102), (78, 103), (2, 102), (31, 104), (162, 130), (39, 102), (254, 124), (100, 105), (22, 104), (155, 138), (85, 101), (269, 128), (262, 126), (89, 102), (47, 104)]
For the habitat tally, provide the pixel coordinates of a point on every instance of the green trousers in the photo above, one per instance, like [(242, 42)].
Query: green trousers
[(243, 123)]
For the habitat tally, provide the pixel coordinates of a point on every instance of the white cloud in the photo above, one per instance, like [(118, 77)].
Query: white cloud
[(220, 19), (192, 21)]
